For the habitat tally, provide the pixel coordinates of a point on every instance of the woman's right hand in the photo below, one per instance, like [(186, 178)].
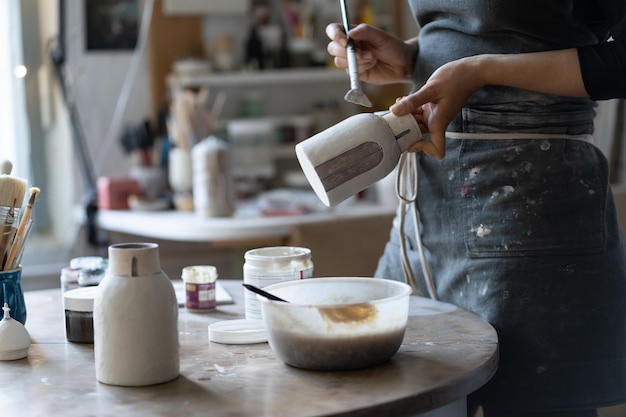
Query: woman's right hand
[(382, 58)]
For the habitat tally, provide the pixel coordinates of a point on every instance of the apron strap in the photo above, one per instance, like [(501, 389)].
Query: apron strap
[(506, 136)]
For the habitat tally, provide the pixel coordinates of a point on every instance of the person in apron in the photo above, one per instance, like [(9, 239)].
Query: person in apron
[(516, 218)]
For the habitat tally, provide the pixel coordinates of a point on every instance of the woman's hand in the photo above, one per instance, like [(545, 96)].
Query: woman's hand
[(437, 103), (382, 58)]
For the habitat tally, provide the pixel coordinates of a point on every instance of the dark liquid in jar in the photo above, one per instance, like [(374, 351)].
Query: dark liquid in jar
[(79, 326), (334, 354)]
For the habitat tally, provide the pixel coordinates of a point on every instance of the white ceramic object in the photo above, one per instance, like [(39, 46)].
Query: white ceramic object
[(252, 141), (352, 155), (135, 319), (14, 338), (213, 184), (180, 174), (152, 180), (336, 323)]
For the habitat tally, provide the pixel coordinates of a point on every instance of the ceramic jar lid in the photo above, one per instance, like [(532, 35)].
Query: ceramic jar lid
[(238, 332), (14, 338), (80, 299)]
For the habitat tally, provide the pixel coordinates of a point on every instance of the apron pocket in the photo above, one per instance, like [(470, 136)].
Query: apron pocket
[(532, 197)]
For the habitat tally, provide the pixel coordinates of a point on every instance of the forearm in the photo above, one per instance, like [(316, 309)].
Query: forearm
[(412, 54), (550, 72)]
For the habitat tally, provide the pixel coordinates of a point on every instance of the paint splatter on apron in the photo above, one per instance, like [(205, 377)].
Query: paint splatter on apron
[(523, 232)]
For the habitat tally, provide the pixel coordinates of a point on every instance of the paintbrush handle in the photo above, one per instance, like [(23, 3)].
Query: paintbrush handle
[(7, 234), (17, 241), (20, 244), (344, 16), (12, 253), (353, 68), (20, 236)]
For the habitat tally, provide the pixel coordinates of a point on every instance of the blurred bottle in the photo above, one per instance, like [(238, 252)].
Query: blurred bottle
[(213, 186)]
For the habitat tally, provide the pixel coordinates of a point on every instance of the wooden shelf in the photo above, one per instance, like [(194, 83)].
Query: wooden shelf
[(256, 78)]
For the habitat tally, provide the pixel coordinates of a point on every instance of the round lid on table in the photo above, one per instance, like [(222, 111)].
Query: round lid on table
[(80, 299), (238, 332)]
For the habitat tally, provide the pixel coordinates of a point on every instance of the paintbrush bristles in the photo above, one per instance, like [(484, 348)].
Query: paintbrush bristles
[(12, 191), (34, 192)]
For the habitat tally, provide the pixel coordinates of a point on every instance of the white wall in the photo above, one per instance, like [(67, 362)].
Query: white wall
[(95, 79)]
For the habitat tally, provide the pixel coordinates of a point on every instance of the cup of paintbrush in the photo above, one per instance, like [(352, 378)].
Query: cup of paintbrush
[(12, 191), (11, 293), (23, 230)]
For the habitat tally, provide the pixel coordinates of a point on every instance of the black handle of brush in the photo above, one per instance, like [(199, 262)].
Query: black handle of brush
[(263, 293)]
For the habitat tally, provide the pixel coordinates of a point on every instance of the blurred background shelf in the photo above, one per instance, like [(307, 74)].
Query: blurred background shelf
[(256, 78)]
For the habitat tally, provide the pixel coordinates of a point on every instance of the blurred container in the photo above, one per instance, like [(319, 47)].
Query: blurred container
[(180, 176), (12, 294), (69, 278), (113, 193), (152, 181), (180, 172), (91, 269), (78, 306), (199, 288), (252, 140), (270, 265), (253, 104), (213, 186)]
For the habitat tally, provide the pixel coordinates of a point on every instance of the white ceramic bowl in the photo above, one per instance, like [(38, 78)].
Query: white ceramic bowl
[(336, 323)]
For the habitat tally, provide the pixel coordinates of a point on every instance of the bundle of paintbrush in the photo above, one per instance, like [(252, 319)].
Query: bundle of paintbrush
[(15, 223), (12, 191)]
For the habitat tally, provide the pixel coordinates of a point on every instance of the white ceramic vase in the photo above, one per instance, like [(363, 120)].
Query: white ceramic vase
[(135, 319)]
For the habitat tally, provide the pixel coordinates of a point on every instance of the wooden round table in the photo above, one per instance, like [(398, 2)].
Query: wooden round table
[(447, 353)]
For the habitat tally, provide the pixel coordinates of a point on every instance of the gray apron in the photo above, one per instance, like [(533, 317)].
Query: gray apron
[(522, 230)]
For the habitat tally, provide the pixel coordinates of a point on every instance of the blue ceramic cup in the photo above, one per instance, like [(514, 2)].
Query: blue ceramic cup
[(12, 294)]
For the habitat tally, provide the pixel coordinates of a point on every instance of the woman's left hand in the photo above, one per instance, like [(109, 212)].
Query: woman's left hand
[(438, 102)]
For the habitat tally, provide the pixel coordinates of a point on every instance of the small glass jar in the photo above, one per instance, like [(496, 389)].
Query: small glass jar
[(270, 265), (199, 288), (91, 269), (69, 278), (78, 305)]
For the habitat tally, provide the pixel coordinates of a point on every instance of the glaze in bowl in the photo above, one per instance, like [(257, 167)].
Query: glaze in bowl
[(337, 323)]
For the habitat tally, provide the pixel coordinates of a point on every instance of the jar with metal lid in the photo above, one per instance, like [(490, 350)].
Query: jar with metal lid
[(270, 265), (199, 287)]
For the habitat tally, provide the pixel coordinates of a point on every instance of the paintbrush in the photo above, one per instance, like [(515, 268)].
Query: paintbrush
[(12, 191), (22, 230), (355, 94), (18, 258)]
